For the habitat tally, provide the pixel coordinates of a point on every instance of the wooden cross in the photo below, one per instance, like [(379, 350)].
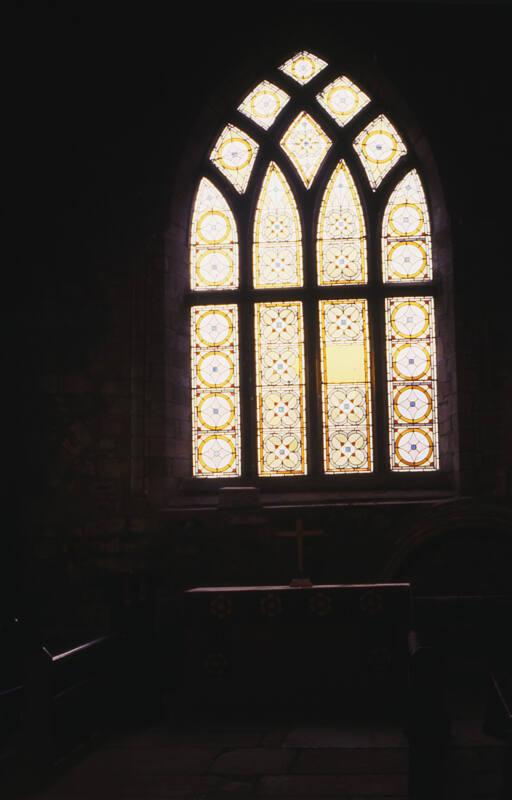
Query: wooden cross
[(299, 534)]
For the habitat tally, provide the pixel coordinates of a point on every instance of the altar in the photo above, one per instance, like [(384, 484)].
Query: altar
[(340, 644)]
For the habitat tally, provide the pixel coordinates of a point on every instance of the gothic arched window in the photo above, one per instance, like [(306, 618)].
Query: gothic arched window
[(313, 342)]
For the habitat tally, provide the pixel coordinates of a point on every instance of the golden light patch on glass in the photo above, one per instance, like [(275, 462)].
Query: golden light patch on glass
[(234, 155), (342, 99), (341, 242), (277, 246), (215, 391), (346, 386), (379, 147), (406, 239), (306, 145), (412, 384), (303, 67), (264, 104), (280, 389), (213, 241)]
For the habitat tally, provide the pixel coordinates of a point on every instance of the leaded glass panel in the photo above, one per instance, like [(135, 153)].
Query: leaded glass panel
[(264, 103), (215, 391), (341, 243), (346, 386), (412, 385), (342, 99), (280, 389), (213, 241), (406, 244), (277, 248), (306, 145), (234, 155), (379, 147), (303, 66)]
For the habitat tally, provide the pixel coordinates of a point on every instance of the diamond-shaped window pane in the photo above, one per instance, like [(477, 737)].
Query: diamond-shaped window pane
[(306, 144), (379, 147), (234, 155), (342, 99), (303, 66), (264, 103)]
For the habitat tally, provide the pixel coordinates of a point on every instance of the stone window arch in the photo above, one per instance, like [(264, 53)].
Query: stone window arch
[(317, 206)]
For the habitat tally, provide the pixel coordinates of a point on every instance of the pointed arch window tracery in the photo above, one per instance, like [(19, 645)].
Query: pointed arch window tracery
[(313, 333)]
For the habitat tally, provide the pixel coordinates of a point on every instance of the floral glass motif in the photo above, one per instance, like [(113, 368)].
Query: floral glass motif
[(234, 155), (342, 99), (406, 244), (264, 103), (303, 67), (280, 390), (215, 391), (277, 249), (346, 386), (341, 242), (412, 385), (213, 241), (379, 147), (306, 145)]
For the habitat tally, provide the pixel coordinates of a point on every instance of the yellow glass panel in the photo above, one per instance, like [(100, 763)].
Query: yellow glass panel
[(346, 386), (406, 240), (379, 147), (306, 145), (264, 103), (341, 243), (342, 99), (277, 248), (234, 155), (215, 391), (412, 384), (303, 66), (213, 241), (280, 389)]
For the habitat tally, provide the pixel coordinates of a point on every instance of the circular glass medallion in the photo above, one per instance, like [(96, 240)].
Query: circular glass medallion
[(407, 260), (409, 319), (234, 153), (215, 370), (214, 268), (411, 361), (412, 404), (213, 227), (216, 453), (414, 447), (406, 219), (216, 411), (214, 327), (342, 100), (379, 147)]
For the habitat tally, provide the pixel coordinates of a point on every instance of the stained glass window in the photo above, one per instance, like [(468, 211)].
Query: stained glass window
[(342, 99), (412, 387), (306, 145), (379, 147), (264, 103), (234, 155), (277, 247), (334, 373), (303, 67), (346, 388), (213, 241), (215, 391), (406, 245), (341, 243), (280, 389)]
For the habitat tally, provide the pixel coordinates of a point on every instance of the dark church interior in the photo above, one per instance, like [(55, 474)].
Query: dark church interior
[(164, 636)]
